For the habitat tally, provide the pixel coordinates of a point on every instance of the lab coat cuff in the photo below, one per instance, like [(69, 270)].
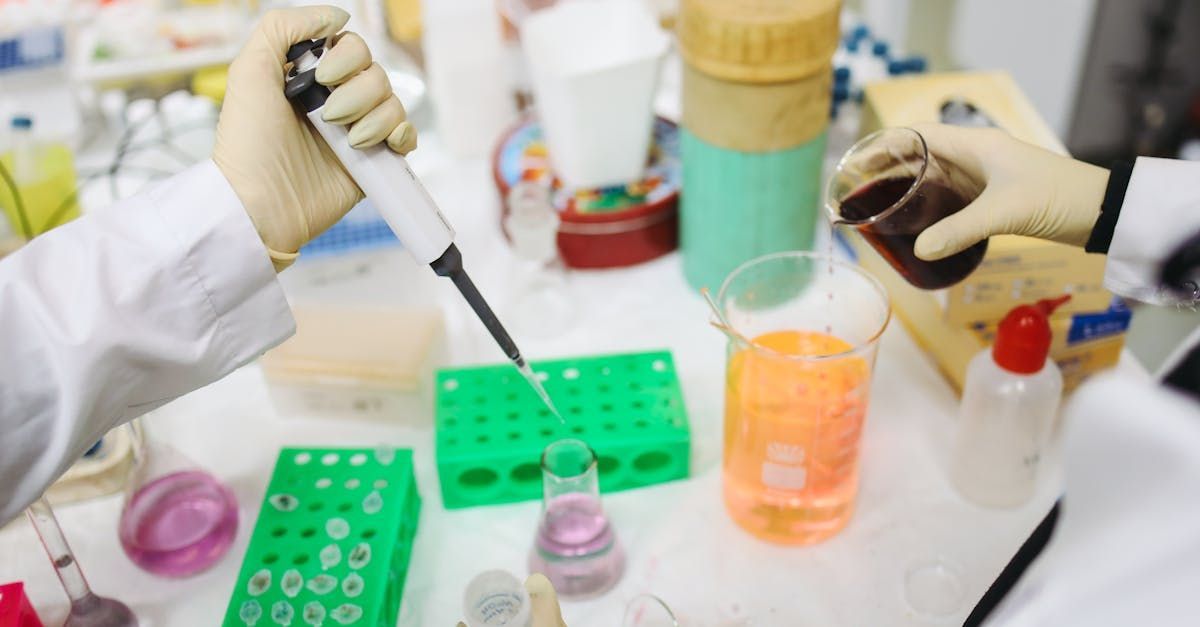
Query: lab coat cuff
[(1156, 217), (223, 251)]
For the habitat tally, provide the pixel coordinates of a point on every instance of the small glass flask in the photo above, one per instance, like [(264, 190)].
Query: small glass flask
[(576, 547)]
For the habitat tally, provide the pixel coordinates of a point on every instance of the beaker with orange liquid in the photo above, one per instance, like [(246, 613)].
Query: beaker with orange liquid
[(803, 331)]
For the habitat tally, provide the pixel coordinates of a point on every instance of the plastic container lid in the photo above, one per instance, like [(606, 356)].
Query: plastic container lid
[(758, 41), (1023, 337), (496, 598), (380, 347)]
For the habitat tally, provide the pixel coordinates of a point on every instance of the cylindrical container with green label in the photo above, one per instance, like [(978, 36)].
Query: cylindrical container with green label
[(756, 93)]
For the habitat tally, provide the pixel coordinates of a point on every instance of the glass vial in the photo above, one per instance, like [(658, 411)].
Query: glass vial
[(576, 547), (541, 305), (496, 598)]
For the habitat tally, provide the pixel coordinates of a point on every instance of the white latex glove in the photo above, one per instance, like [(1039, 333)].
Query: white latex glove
[(1023, 190), (289, 181), (545, 611)]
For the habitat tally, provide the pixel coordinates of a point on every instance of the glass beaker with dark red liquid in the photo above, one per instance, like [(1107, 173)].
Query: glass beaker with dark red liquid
[(890, 187)]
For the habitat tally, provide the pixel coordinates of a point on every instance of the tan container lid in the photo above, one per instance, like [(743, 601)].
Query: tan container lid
[(759, 41)]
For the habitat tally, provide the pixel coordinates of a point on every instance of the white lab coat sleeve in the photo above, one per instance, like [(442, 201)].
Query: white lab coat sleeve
[(1126, 549), (1161, 210), (120, 311)]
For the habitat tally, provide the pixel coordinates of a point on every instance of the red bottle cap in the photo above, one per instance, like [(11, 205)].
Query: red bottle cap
[(1023, 337)]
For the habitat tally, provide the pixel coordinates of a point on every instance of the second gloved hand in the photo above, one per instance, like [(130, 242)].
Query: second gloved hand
[(1026, 190), (290, 183)]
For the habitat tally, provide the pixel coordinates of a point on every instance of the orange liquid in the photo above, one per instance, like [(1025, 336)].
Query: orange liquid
[(792, 430)]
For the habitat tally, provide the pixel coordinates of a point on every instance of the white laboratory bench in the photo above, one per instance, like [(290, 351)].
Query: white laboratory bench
[(680, 543)]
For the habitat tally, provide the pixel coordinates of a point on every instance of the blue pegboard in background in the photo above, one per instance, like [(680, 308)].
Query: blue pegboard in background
[(361, 229), (32, 49)]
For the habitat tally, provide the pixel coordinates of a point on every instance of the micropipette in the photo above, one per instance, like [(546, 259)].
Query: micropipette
[(405, 205)]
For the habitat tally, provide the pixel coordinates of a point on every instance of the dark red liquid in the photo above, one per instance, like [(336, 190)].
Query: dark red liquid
[(895, 235)]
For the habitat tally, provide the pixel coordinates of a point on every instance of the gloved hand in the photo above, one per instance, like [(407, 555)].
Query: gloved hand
[(289, 181), (1025, 190), (544, 600)]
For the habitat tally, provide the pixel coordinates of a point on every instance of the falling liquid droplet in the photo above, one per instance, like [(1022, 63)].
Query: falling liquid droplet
[(321, 584), (330, 556)]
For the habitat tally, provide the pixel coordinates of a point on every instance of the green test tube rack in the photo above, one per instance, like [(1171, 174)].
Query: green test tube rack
[(492, 428), (332, 542)]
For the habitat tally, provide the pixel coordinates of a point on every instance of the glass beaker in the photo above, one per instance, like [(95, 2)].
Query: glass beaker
[(178, 519), (890, 187), (576, 547), (803, 331)]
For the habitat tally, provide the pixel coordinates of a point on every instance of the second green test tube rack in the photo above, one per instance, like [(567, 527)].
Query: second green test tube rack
[(333, 540), (491, 427)]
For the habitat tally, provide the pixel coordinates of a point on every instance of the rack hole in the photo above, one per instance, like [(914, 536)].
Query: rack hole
[(604, 388), (641, 424), (514, 435), (571, 374), (607, 464), (278, 532), (352, 484), (526, 472), (323, 482), (302, 458), (330, 459), (605, 371), (358, 459), (546, 432), (639, 405), (651, 461), (481, 418), (345, 507), (316, 506), (608, 426), (513, 416), (452, 441), (577, 430), (575, 411), (270, 558), (606, 407), (482, 439), (380, 484), (659, 365), (450, 385), (300, 559), (478, 478), (368, 534), (511, 396), (573, 392), (542, 376), (479, 400), (308, 532)]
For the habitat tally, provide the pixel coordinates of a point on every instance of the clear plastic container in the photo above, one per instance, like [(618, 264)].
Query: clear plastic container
[(357, 362), (496, 598)]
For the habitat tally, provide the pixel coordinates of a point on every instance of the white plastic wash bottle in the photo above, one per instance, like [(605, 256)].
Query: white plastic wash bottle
[(1009, 403)]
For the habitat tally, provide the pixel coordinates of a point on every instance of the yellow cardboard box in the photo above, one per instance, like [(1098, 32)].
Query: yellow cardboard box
[(1015, 269)]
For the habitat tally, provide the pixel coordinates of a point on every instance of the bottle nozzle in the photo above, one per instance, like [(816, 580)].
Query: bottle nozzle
[(1048, 305)]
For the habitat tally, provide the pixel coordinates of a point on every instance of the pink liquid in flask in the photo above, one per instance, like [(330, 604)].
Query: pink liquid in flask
[(179, 524)]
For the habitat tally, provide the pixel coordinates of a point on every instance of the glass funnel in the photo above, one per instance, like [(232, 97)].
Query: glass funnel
[(803, 331), (87, 609), (576, 547), (178, 519)]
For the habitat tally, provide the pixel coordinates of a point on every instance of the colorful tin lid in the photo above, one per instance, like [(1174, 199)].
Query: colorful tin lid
[(522, 156)]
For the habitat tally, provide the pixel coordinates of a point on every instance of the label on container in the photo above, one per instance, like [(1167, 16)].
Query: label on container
[(782, 470)]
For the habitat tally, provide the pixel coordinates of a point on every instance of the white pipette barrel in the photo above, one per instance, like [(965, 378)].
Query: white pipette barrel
[(386, 178)]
